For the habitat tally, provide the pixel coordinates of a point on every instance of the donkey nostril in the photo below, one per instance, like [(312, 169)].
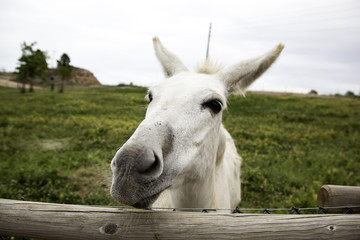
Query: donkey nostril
[(150, 168), (155, 166)]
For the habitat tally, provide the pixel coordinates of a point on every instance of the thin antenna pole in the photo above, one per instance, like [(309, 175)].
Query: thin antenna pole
[(208, 44)]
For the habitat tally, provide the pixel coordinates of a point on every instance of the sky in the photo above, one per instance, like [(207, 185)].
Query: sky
[(113, 38)]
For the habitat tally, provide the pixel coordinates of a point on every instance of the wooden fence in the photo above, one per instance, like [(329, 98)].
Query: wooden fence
[(60, 221)]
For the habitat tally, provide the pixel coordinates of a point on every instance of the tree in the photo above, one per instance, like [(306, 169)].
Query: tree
[(314, 92), (64, 69), (32, 64), (350, 94)]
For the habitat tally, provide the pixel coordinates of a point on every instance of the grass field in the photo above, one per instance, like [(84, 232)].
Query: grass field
[(58, 147)]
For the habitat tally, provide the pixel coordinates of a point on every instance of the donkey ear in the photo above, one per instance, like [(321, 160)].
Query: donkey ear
[(170, 63), (239, 76)]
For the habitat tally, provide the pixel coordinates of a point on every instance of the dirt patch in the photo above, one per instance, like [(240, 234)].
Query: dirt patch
[(50, 144), (5, 82)]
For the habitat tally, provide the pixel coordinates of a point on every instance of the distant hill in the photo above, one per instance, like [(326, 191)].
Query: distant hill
[(79, 76)]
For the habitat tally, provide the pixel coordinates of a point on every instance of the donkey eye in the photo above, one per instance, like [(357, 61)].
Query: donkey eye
[(215, 105), (150, 96)]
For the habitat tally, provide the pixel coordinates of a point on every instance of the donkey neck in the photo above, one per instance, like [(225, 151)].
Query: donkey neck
[(200, 193), (195, 194)]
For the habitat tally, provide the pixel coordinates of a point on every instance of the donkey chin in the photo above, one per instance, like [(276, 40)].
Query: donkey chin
[(137, 194), (139, 176), (137, 199)]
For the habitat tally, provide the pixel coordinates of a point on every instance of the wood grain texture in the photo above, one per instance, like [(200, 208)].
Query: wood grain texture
[(337, 196), (57, 221)]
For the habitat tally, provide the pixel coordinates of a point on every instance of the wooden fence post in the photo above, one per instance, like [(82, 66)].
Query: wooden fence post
[(339, 196)]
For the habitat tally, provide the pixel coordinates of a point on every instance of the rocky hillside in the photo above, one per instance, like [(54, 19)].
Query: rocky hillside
[(83, 77), (79, 76)]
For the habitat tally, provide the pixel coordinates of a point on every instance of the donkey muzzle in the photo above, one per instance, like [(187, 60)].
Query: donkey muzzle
[(139, 170)]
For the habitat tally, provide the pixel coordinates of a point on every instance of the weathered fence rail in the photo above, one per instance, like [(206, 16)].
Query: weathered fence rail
[(59, 221)]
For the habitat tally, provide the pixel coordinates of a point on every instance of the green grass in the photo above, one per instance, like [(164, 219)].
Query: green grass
[(58, 147), (291, 146)]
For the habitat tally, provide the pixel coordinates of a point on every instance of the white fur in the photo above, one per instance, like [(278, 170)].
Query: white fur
[(196, 164)]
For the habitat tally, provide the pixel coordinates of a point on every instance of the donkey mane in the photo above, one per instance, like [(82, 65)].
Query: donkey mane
[(209, 67)]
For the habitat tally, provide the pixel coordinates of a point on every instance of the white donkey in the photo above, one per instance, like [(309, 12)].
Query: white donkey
[(181, 156)]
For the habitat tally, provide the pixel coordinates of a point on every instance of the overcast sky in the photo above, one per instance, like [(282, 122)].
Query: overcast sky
[(112, 38)]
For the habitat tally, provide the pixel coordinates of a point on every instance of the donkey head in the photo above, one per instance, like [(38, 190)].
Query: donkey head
[(178, 141)]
